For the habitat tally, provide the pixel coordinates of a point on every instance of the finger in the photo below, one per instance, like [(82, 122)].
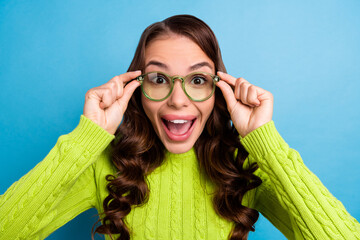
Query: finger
[(228, 94), (253, 96), (106, 95), (227, 78), (238, 87), (128, 92), (117, 83), (244, 91), (128, 76)]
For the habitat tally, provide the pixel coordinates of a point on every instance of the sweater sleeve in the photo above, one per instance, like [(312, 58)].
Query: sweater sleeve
[(57, 189), (291, 196)]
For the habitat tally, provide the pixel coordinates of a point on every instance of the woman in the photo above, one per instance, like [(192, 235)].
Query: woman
[(195, 157)]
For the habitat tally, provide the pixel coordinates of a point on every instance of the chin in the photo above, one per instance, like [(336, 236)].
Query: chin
[(178, 148)]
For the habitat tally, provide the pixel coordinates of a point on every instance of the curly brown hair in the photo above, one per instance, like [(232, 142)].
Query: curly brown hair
[(137, 150)]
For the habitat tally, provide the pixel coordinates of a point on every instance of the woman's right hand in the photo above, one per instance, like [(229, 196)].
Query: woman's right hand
[(105, 105)]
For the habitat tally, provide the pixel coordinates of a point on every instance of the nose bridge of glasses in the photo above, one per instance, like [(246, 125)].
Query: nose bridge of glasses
[(180, 86), (181, 82), (173, 78)]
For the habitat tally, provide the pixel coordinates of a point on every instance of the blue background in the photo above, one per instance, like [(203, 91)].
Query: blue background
[(307, 53)]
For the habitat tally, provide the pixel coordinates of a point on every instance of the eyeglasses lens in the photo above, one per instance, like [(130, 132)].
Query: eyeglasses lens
[(156, 85), (198, 86)]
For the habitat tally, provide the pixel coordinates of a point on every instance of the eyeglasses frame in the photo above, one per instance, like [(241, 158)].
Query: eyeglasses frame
[(172, 82)]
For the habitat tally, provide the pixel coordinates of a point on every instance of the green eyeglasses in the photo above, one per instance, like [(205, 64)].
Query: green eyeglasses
[(198, 86)]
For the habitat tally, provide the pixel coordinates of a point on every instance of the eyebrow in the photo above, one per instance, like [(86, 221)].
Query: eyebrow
[(156, 63), (191, 68), (200, 65)]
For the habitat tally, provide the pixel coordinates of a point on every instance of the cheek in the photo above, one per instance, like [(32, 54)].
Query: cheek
[(150, 108), (209, 107), (206, 108), (146, 106)]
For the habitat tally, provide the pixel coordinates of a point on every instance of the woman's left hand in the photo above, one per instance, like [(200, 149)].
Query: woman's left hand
[(249, 106)]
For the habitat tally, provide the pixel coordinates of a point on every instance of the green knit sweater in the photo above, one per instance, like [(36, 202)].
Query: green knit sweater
[(71, 179)]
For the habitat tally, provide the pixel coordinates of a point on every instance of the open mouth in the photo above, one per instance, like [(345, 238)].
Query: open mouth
[(178, 129)]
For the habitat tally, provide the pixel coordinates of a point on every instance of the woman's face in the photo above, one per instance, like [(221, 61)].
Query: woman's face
[(177, 120)]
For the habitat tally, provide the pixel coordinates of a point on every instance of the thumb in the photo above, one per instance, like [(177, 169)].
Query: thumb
[(228, 94), (128, 92)]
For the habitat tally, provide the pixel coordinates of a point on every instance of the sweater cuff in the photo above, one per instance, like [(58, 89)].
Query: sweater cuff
[(90, 135), (263, 140)]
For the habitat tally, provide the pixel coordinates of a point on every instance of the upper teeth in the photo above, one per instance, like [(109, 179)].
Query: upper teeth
[(178, 121)]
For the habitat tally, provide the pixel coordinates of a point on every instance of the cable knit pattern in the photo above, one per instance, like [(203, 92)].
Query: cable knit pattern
[(176, 203), (71, 179), (198, 205), (222, 227), (286, 198), (30, 201), (152, 212), (315, 211)]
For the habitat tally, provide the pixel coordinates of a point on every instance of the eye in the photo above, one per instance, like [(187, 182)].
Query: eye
[(158, 79), (198, 80)]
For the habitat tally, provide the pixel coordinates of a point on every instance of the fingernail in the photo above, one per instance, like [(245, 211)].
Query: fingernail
[(137, 71), (220, 72)]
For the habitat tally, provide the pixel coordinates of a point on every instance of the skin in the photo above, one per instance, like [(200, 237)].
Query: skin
[(176, 55), (249, 106)]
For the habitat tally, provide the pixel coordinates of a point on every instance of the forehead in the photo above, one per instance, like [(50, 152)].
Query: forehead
[(177, 52)]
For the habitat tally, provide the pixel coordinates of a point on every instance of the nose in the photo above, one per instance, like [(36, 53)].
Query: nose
[(178, 98)]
